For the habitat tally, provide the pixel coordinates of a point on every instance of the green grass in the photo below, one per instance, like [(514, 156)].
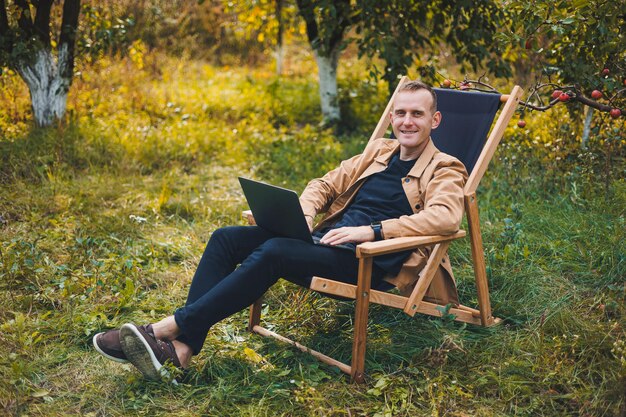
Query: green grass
[(104, 219)]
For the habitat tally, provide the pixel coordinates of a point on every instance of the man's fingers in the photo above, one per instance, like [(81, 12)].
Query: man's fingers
[(347, 235), (329, 237)]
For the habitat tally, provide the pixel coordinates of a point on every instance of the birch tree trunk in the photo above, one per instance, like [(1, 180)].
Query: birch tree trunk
[(47, 86), (587, 127), (326, 23), (327, 72)]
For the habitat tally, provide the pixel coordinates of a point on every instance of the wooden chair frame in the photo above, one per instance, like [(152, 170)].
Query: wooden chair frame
[(414, 303)]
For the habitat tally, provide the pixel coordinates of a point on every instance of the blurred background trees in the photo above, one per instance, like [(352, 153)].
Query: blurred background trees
[(543, 46)]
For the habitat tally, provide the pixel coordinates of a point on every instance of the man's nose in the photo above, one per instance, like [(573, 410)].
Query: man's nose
[(407, 119)]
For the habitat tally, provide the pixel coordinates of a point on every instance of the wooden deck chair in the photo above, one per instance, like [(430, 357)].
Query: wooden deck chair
[(474, 112)]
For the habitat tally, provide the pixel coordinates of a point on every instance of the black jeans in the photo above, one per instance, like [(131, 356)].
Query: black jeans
[(220, 288)]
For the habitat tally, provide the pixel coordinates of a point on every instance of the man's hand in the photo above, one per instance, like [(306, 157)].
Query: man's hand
[(342, 235)]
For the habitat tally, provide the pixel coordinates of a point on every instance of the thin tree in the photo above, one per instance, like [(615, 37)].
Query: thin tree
[(326, 25)]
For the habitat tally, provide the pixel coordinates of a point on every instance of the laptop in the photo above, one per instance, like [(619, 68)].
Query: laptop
[(278, 210)]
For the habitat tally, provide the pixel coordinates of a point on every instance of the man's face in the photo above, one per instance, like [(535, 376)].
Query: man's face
[(412, 119)]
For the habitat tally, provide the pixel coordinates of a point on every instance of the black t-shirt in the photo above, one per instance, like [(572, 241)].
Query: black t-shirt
[(381, 197)]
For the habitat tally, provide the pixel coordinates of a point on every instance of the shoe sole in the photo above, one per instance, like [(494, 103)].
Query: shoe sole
[(139, 353), (103, 353)]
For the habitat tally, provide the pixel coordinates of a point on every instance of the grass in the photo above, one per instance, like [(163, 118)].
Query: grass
[(104, 219)]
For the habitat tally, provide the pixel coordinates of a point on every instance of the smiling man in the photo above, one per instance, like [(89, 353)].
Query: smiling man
[(396, 187), (413, 116)]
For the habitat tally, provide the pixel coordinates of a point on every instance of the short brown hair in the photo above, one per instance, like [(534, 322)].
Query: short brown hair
[(416, 85)]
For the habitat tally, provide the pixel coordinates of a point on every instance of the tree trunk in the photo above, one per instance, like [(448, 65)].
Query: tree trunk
[(48, 87), (280, 52), (587, 127), (327, 48), (280, 58), (327, 72)]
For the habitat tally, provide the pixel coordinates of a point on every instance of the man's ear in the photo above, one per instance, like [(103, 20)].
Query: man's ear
[(436, 119)]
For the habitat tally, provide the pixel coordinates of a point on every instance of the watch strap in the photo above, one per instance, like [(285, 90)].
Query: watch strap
[(378, 231)]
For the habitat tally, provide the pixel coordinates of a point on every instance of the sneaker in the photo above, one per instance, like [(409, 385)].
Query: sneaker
[(108, 345), (146, 352)]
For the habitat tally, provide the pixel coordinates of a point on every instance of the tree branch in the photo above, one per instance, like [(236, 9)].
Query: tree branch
[(24, 21), (307, 12), (67, 38), (572, 90), (343, 11), (42, 21), (4, 19)]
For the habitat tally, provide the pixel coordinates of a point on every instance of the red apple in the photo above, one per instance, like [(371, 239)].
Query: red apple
[(556, 93), (596, 94), (521, 123), (564, 97), (446, 83), (529, 43), (605, 71), (615, 113)]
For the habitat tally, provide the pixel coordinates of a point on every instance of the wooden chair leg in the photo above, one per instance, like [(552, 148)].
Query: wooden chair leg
[(480, 271), (255, 314), (360, 320)]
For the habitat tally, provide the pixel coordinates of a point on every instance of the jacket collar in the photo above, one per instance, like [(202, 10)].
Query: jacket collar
[(422, 161)]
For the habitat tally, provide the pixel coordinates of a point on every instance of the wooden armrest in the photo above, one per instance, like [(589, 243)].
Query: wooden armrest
[(382, 247), (247, 214)]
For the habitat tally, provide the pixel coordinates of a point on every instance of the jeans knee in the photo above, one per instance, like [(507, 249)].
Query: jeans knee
[(224, 234)]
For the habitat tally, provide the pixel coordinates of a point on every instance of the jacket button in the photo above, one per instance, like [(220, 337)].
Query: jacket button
[(407, 179)]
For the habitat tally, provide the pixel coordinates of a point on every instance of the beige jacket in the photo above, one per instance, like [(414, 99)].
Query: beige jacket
[(434, 189)]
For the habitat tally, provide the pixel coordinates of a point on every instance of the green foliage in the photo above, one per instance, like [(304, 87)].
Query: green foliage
[(326, 23), (551, 143), (103, 30), (573, 47), (103, 221), (575, 40), (263, 21), (406, 33)]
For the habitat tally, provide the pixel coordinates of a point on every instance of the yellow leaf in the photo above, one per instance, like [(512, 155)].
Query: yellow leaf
[(40, 393), (252, 355)]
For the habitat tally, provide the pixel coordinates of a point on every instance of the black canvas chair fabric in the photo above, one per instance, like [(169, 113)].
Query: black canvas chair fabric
[(470, 116)]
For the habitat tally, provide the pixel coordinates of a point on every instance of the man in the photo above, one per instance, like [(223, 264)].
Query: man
[(396, 187)]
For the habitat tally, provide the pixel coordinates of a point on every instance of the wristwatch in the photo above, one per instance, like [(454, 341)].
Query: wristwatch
[(378, 231)]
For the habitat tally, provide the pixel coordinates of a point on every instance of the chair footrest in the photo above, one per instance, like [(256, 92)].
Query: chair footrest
[(320, 356)]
